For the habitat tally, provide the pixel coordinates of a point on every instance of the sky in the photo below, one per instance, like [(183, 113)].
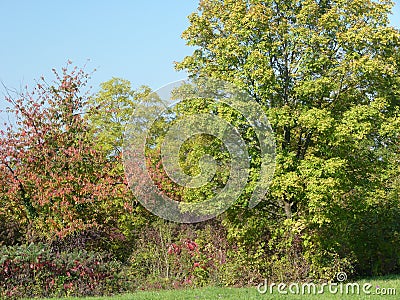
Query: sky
[(137, 40)]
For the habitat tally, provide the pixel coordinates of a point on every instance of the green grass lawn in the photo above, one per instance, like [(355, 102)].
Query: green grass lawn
[(392, 282)]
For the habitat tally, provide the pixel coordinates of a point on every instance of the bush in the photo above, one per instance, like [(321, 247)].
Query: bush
[(169, 255), (35, 270)]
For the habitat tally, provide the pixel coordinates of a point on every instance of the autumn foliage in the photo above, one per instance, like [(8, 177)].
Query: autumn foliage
[(326, 73), (53, 176)]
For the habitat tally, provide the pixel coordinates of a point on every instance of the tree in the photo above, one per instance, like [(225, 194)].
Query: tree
[(110, 110), (54, 179), (327, 74)]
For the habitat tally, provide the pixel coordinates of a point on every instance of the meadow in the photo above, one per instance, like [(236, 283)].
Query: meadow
[(386, 287)]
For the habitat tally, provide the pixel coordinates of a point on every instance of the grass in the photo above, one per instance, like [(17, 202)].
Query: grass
[(392, 282)]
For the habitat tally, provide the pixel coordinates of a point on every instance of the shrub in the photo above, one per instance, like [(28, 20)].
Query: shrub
[(35, 270), (169, 255)]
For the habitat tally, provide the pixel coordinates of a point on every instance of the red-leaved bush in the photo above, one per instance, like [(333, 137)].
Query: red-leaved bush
[(36, 270)]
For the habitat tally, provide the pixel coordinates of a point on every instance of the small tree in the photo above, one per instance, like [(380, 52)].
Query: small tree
[(110, 110), (54, 177)]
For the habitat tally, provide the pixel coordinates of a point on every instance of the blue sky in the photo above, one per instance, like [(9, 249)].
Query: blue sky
[(137, 40)]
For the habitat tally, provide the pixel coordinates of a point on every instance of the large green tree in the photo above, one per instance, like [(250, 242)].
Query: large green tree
[(327, 75)]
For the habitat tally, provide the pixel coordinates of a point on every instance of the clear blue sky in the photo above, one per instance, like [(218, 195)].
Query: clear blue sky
[(137, 40)]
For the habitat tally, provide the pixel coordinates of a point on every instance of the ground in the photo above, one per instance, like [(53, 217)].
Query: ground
[(378, 288)]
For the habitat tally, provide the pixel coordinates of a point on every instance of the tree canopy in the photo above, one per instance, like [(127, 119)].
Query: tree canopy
[(327, 75)]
